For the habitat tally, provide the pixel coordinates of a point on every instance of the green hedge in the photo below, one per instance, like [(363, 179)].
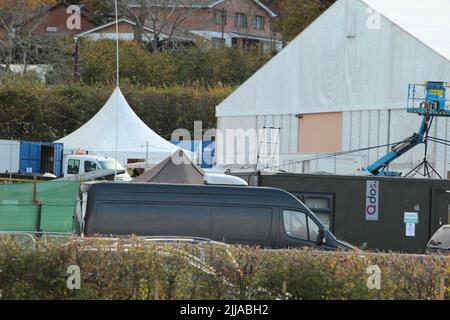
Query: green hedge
[(32, 111), (152, 271), (191, 65)]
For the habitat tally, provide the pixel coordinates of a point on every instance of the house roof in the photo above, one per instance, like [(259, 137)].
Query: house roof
[(183, 35), (427, 21), (197, 4), (83, 8), (106, 25)]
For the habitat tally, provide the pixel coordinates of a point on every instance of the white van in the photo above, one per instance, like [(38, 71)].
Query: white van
[(74, 165)]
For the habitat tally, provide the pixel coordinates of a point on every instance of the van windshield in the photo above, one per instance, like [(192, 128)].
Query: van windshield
[(111, 165)]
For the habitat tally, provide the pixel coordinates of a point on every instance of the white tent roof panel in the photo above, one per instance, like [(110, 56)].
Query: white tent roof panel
[(98, 136), (344, 61)]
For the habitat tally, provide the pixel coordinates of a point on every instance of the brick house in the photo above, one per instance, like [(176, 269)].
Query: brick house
[(239, 23), (126, 30), (55, 21), (46, 22)]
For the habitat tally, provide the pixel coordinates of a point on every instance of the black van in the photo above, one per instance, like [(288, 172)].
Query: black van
[(266, 217)]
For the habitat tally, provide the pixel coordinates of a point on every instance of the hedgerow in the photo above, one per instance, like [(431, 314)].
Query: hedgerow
[(30, 110), (134, 269)]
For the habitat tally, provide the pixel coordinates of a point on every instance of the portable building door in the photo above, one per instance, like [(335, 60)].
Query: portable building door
[(58, 158), (30, 157), (440, 209), (47, 156), (51, 157), (10, 154)]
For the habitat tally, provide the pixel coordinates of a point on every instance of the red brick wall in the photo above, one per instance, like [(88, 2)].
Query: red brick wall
[(123, 28), (58, 18), (249, 8), (203, 19)]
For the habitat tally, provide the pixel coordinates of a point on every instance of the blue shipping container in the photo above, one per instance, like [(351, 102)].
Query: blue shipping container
[(41, 157)]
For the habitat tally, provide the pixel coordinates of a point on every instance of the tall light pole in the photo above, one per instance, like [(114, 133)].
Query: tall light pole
[(223, 22), (118, 85)]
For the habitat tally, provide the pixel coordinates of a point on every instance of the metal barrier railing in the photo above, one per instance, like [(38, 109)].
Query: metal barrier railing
[(41, 236)]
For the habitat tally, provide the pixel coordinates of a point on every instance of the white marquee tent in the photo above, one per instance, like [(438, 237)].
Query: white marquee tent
[(98, 135), (357, 59)]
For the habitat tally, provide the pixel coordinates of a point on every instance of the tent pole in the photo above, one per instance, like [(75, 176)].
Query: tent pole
[(118, 85), (117, 45), (146, 158)]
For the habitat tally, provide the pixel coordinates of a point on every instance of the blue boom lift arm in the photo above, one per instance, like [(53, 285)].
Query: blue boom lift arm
[(432, 104), (379, 166)]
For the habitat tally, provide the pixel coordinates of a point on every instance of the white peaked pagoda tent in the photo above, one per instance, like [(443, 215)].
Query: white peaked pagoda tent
[(342, 85), (98, 135)]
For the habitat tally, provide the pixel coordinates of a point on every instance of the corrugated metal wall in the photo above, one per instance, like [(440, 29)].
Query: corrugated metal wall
[(360, 129)]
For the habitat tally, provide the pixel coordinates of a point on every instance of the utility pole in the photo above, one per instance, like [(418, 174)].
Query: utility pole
[(223, 18), (76, 61)]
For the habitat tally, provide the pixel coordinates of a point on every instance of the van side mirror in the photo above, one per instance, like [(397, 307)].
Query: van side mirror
[(321, 237)]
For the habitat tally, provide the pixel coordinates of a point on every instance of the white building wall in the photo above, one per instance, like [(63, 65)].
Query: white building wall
[(229, 126), (341, 63), (362, 129), (9, 156)]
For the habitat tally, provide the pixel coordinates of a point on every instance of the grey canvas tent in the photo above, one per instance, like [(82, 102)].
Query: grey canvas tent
[(177, 168)]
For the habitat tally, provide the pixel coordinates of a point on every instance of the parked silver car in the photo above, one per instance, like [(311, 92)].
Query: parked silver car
[(440, 241)]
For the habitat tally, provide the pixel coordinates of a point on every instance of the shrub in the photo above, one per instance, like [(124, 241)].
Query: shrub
[(133, 269), (198, 65), (30, 110)]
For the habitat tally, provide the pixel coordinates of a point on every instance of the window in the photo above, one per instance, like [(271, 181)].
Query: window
[(441, 238), (259, 23), (90, 166), (73, 166), (317, 203), (295, 224), (322, 204), (313, 230), (448, 219), (299, 226), (218, 42), (111, 165), (52, 29), (241, 20), (241, 224), (178, 220), (220, 17)]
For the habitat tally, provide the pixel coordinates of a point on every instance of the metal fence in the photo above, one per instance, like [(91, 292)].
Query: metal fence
[(38, 206)]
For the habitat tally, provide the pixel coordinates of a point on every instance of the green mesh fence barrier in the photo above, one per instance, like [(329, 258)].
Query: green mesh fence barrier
[(18, 212)]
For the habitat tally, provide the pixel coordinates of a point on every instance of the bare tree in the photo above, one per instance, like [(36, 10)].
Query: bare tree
[(159, 20), (19, 20)]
